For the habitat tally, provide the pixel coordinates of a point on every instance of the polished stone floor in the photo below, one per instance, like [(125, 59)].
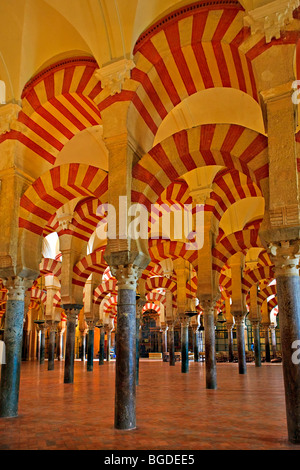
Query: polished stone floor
[(174, 410)]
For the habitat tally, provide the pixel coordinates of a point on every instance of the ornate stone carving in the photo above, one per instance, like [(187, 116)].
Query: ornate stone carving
[(270, 19), (113, 76), (8, 114), (16, 287), (285, 256), (127, 276)]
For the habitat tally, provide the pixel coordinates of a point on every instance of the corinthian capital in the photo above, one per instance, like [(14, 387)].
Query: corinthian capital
[(285, 256), (127, 276), (16, 287)]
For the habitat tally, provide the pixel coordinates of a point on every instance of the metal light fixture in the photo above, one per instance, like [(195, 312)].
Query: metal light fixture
[(221, 318)]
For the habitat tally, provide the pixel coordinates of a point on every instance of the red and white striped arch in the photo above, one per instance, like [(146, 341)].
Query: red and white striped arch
[(230, 146), (151, 306), (159, 282), (57, 104), (50, 266), (200, 46), (236, 242), (92, 263), (55, 188), (106, 287), (255, 276)]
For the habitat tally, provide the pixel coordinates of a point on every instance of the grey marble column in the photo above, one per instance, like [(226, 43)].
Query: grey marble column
[(171, 345), (101, 347), (273, 341), (196, 343), (185, 345), (267, 343), (229, 327), (13, 331), (43, 328), (256, 339), (51, 344), (210, 349), (90, 346), (125, 396), (240, 337), (125, 382), (108, 344), (288, 294), (72, 312)]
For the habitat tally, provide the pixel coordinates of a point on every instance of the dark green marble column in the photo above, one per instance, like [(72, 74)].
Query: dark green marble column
[(90, 346), (185, 346), (13, 332), (43, 327), (267, 343), (288, 294), (196, 344), (125, 384), (72, 312), (137, 359), (171, 345), (108, 344), (51, 345), (101, 347), (229, 327), (240, 338), (273, 341), (210, 352), (256, 340)]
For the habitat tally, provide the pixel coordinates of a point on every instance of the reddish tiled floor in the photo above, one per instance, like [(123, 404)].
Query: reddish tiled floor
[(174, 410)]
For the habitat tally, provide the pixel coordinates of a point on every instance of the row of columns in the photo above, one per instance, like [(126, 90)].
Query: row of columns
[(126, 345)]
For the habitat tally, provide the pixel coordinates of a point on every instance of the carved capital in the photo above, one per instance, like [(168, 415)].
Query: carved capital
[(127, 276), (271, 18), (113, 76), (16, 287), (285, 256), (8, 115)]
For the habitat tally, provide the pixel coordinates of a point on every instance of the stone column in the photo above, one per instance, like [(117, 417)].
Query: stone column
[(286, 260), (256, 339), (139, 307), (240, 337), (171, 344), (267, 342), (229, 327), (185, 344), (125, 383), (72, 312), (101, 347), (51, 344), (43, 328), (196, 343), (273, 340), (59, 349), (10, 373), (108, 343), (90, 345), (165, 339), (210, 341)]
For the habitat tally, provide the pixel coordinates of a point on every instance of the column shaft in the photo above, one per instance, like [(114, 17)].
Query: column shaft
[(90, 350), (171, 345), (101, 347), (184, 347), (288, 292), (240, 336), (210, 354), (257, 348), (51, 348), (125, 396)]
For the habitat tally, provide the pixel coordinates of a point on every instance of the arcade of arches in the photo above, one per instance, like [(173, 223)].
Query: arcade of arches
[(149, 187)]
